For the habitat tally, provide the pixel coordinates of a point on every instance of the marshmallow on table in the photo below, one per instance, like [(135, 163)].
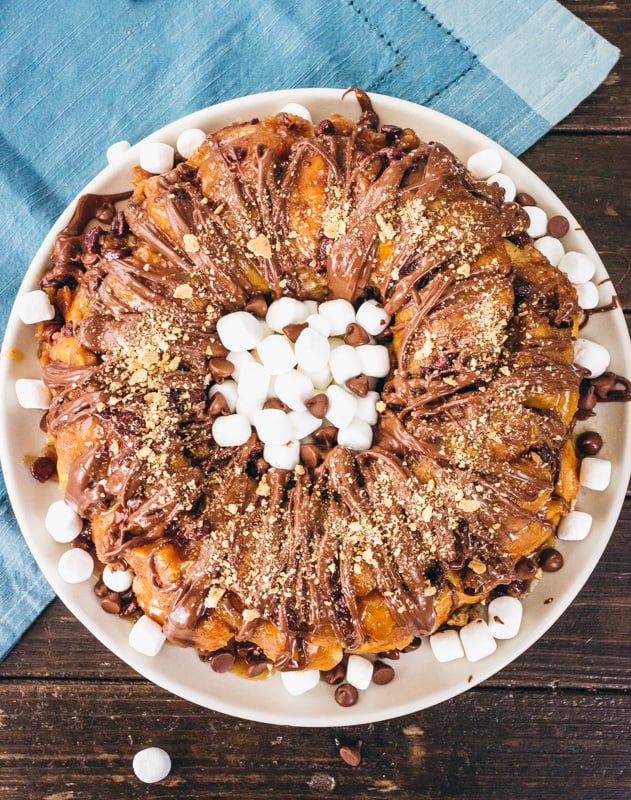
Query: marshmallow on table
[(151, 765), (484, 163), (595, 473), (575, 526), (32, 393), (345, 363), (298, 682), (359, 672), (293, 388), (374, 360), (276, 354), (156, 157), (507, 184), (229, 390), (116, 151), (239, 331), (231, 430), (286, 311), (591, 356), (297, 110), (372, 317), (282, 456), (312, 348), (578, 267), (146, 636), (34, 307), (505, 614), (340, 313), (342, 406), (357, 435), (538, 221), (118, 580), (189, 140), (75, 566), (446, 646), (273, 426), (477, 640), (551, 248), (62, 522), (588, 295)]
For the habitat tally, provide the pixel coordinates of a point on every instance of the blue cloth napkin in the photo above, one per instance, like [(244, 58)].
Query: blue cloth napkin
[(78, 76)]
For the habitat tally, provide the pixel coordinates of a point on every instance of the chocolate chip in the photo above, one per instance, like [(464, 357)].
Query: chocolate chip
[(335, 675), (43, 468), (352, 754), (325, 127), (256, 305), (525, 569), (256, 668), (382, 673), (222, 661), (100, 589), (326, 435), (358, 385), (346, 695), (276, 404), (355, 335), (318, 405), (558, 226), (393, 655), (550, 560), (587, 399), (525, 199), (414, 645), (517, 588), (220, 368), (311, 455), (293, 331), (111, 603), (589, 443), (218, 406)]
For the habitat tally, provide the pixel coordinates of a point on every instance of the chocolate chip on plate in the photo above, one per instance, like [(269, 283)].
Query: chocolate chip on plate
[(550, 560), (346, 695), (589, 443), (558, 226), (382, 673)]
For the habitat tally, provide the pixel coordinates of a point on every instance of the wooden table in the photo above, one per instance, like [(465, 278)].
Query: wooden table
[(555, 724)]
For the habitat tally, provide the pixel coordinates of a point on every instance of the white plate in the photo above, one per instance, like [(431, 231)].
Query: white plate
[(420, 681)]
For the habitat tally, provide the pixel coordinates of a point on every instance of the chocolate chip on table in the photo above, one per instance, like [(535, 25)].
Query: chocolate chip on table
[(43, 468), (558, 226), (382, 673), (346, 695), (525, 199), (550, 560), (589, 443), (352, 754)]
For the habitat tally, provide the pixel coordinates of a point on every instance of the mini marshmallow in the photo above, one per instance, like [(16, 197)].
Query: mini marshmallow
[(253, 383), (575, 526), (231, 430), (156, 157), (247, 408), (282, 456), (551, 248), (276, 354), (591, 356), (578, 267), (484, 163), (146, 636), (342, 406), (507, 184), (239, 360), (293, 388), (477, 640), (538, 221), (366, 409), (297, 110), (118, 580), (374, 360), (303, 424), (312, 349), (344, 363), (446, 646), (286, 311), (595, 473), (359, 672), (320, 378), (311, 306), (372, 317), (505, 615), (34, 307), (273, 426), (229, 390), (298, 682), (320, 324), (62, 522), (239, 331), (75, 566), (588, 295), (116, 151), (151, 765), (340, 313), (357, 435), (189, 140), (32, 393)]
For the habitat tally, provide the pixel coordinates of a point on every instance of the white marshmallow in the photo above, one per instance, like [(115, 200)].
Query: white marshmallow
[(357, 435), (276, 354), (477, 640), (591, 356), (340, 313), (298, 682), (146, 636), (240, 360), (286, 311), (32, 393), (34, 307), (297, 110), (595, 473), (253, 383), (578, 267), (156, 157), (62, 522), (446, 646), (320, 324), (303, 424), (359, 672), (507, 184), (247, 408), (505, 614), (189, 140), (538, 221), (372, 317), (320, 378), (232, 430), (344, 363), (116, 151), (282, 456), (588, 295), (374, 360), (239, 331), (273, 426), (229, 390), (484, 163), (293, 388), (311, 306), (366, 408), (575, 526), (75, 566), (312, 349), (551, 248), (342, 406), (151, 765), (118, 580)]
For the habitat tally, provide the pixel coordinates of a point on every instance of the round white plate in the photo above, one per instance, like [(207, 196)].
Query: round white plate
[(420, 681)]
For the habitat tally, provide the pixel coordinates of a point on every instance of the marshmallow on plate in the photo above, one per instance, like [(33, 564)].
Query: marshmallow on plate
[(359, 672), (273, 426), (156, 157), (595, 473), (298, 682), (286, 311), (446, 646), (357, 435), (588, 295), (342, 406), (340, 313), (282, 456), (578, 267), (62, 522), (239, 331), (538, 221), (477, 640), (151, 765), (34, 307), (75, 566), (575, 526), (118, 580), (231, 430), (297, 110), (372, 317), (116, 151), (551, 248), (32, 393), (505, 614), (484, 163), (146, 636), (506, 183), (189, 140), (591, 356)]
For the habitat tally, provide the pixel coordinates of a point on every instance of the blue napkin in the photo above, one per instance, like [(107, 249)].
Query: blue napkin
[(78, 76)]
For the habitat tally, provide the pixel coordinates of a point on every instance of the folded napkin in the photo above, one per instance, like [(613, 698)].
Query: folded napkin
[(78, 77)]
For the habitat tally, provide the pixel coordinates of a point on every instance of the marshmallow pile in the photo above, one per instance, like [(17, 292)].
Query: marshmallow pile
[(315, 367)]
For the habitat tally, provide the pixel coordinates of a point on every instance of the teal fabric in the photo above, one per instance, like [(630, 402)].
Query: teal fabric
[(77, 76)]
